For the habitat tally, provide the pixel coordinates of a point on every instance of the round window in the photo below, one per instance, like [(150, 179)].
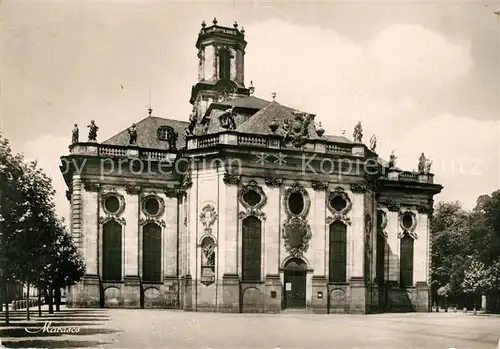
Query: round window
[(252, 198), (338, 203), (407, 221), (112, 204), (152, 206), (296, 203)]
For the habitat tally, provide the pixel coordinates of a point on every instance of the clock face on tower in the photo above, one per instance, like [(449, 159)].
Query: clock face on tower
[(225, 89)]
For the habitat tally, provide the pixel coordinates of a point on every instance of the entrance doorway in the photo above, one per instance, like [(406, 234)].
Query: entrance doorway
[(295, 284)]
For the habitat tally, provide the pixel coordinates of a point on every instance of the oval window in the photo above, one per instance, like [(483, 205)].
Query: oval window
[(296, 203), (407, 221), (251, 197), (152, 206), (112, 204), (338, 203)]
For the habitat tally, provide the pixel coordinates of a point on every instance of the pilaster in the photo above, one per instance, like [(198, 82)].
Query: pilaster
[(170, 237), (320, 236), (132, 232), (272, 229), (91, 209), (231, 229), (76, 213), (420, 249), (393, 244), (355, 234)]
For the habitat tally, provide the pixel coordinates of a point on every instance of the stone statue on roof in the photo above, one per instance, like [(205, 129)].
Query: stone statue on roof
[(132, 132), (172, 137), (74, 134), (227, 119), (373, 143), (428, 164), (392, 160), (192, 123), (93, 131), (358, 132), (421, 163)]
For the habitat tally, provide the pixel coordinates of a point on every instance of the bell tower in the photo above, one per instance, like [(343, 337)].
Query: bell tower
[(221, 52)]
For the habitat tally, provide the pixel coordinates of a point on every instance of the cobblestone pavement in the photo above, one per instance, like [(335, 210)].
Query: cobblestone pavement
[(120, 328)]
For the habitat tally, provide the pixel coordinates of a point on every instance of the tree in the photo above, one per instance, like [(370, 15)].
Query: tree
[(477, 280), (450, 241)]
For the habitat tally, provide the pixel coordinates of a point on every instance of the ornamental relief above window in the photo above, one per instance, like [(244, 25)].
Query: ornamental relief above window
[(407, 223), (296, 230), (253, 199), (113, 205), (382, 222), (339, 204), (152, 208)]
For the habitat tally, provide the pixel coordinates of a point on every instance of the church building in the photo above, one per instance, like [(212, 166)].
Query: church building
[(247, 206)]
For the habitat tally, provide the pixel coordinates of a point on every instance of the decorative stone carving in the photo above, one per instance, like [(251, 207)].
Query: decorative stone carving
[(393, 206), (108, 218), (299, 189), (92, 187), (340, 193), (404, 218), (421, 163), (296, 236), (193, 118), (320, 131), (338, 217), (226, 119), (68, 195), (368, 234), (273, 182), (230, 178), (187, 183), (208, 217), (254, 209), (119, 198), (424, 209), (318, 186), (208, 261), (159, 200), (392, 160), (428, 165), (132, 190), (358, 188), (382, 216), (172, 192), (160, 222), (296, 130)]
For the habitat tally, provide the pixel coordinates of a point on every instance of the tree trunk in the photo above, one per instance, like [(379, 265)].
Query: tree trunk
[(39, 302), (51, 300), (28, 301), (58, 298), (7, 312)]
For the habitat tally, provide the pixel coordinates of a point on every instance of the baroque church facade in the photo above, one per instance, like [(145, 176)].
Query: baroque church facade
[(248, 206)]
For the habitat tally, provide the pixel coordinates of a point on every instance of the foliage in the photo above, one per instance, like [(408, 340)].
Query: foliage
[(35, 247)]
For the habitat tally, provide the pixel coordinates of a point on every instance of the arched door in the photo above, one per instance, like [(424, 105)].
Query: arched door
[(295, 284)]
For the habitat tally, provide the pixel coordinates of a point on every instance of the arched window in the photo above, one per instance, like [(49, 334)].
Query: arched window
[(151, 252), (406, 255), (112, 251), (338, 255), (224, 64), (251, 249)]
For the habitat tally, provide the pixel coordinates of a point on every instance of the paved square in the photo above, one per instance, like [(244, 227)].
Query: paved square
[(128, 328)]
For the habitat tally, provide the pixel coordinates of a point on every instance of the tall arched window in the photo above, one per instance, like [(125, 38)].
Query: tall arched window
[(112, 251), (338, 255), (224, 64), (251, 249), (151, 252), (406, 255)]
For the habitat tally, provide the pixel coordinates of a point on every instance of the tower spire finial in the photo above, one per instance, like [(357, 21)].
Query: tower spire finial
[(150, 109)]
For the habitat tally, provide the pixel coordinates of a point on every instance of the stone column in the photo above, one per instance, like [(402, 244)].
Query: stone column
[(233, 71), (170, 231), (131, 289), (76, 212), (421, 262), (91, 242)]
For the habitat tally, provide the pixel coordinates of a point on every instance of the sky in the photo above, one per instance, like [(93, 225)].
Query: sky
[(423, 76)]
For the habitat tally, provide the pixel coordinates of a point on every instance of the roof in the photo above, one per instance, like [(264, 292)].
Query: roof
[(146, 133), (338, 139), (259, 122), (249, 102)]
